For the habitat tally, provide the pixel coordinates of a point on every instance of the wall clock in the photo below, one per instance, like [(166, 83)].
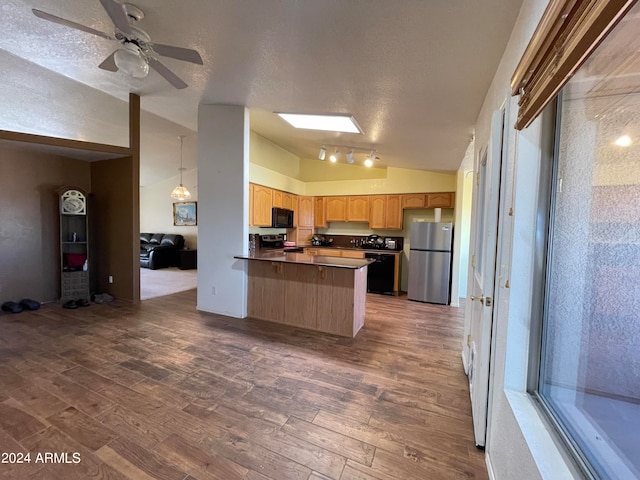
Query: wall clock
[(73, 202)]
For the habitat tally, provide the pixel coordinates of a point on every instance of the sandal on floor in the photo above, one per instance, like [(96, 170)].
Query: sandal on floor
[(70, 304), (82, 302), (12, 307), (29, 304)]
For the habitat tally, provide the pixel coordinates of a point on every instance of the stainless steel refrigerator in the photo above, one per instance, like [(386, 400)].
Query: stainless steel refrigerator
[(430, 251)]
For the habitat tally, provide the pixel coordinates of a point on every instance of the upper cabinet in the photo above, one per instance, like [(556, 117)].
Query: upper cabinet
[(262, 204), (305, 211), (336, 209), (319, 211), (358, 208), (385, 212), (394, 212), (413, 200), (440, 200), (380, 211)]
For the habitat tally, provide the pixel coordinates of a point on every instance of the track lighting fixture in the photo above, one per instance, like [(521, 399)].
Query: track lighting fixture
[(369, 161), (350, 158)]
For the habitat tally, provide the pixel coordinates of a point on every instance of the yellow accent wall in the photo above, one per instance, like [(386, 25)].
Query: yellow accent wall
[(313, 170), (398, 180)]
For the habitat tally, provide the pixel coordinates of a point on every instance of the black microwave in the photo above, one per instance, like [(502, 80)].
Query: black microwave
[(281, 218)]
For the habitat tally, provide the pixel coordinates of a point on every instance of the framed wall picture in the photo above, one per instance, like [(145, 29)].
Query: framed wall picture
[(185, 214)]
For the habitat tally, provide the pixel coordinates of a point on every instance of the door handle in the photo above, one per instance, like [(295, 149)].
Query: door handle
[(480, 298)]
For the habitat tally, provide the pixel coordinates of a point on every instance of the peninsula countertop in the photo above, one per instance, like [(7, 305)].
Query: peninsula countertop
[(303, 258)]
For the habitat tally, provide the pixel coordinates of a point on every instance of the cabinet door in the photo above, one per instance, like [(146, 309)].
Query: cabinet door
[(262, 204), (303, 235), (276, 198), (336, 209), (413, 200), (295, 206), (394, 213), (305, 211), (319, 210), (440, 200), (377, 211), (358, 208), (287, 200), (251, 204)]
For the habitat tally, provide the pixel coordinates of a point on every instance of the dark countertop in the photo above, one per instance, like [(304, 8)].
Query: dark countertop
[(303, 258)]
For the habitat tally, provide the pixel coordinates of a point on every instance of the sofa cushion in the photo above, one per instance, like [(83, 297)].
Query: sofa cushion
[(145, 237), (156, 238), (170, 239)]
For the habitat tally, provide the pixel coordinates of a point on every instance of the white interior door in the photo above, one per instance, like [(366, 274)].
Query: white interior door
[(482, 274)]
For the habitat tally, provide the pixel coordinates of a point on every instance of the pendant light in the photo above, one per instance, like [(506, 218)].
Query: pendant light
[(180, 192)]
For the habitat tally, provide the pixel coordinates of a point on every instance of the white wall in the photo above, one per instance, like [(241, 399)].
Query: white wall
[(519, 444), (223, 223)]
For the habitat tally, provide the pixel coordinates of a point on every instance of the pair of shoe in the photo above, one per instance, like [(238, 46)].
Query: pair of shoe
[(82, 302), (25, 304)]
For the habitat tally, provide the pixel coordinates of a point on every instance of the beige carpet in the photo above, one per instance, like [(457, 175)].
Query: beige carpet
[(165, 281)]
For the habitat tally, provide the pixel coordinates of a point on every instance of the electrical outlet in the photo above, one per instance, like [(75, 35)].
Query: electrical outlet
[(110, 278), (214, 291)]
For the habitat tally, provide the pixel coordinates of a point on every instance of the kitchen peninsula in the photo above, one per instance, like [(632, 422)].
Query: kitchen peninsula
[(315, 292)]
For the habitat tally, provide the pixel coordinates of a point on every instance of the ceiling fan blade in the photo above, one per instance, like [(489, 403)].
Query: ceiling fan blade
[(169, 76), (69, 23), (118, 15), (179, 53), (109, 63)]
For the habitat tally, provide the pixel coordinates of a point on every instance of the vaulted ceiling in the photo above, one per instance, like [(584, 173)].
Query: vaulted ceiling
[(414, 73)]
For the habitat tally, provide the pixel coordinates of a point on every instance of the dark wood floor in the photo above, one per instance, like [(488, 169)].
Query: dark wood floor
[(160, 391)]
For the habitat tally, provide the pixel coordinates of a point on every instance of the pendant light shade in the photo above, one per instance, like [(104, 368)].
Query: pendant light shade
[(180, 192)]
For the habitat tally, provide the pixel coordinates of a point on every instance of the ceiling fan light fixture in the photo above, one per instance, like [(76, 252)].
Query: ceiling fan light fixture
[(180, 192), (130, 60)]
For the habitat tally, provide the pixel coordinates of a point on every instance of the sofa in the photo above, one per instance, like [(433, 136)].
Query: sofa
[(160, 250)]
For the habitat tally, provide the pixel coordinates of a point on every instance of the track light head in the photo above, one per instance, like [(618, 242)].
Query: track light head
[(350, 158), (323, 153), (335, 156)]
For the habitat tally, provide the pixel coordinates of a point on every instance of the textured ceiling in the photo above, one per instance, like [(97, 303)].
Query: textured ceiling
[(412, 72)]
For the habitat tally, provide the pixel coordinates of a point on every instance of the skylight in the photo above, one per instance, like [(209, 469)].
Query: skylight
[(328, 123)]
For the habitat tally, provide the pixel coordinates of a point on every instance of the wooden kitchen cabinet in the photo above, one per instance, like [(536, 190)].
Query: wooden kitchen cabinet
[(394, 212), (358, 208), (305, 211), (377, 211), (336, 209), (287, 200), (302, 236), (440, 200), (385, 212), (319, 212), (262, 204), (276, 198), (295, 206), (413, 200)]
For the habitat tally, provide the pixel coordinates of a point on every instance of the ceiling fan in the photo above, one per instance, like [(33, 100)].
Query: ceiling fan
[(137, 53)]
